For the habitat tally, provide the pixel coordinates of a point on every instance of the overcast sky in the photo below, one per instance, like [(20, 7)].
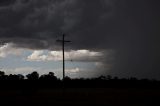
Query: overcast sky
[(115, 37)]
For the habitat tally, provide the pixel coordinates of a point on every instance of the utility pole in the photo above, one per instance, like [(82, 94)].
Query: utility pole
[(63, 41)]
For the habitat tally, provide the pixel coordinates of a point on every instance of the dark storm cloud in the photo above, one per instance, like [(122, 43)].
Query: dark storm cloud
[(6, 2), (128, 27), (42, 21)]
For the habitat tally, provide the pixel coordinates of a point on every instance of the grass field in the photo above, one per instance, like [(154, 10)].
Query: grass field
[(82, 96)]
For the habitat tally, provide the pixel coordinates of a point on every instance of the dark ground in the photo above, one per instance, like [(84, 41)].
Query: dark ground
[(48, 90), (81, 97)]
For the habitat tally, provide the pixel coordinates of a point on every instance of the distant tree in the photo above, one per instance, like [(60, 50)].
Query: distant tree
[(20, 76), (116, 78), (12, 77), (33, 76), (67, 78), (102, 77), (49, 76), (2, 73), (109, 77), (52, 76), (133, 79), (145, 80)]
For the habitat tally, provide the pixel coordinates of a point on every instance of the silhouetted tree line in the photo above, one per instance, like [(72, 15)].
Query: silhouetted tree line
[(32, 76), (34, 80)]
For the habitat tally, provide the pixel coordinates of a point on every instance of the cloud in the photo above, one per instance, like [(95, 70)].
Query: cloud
[(75, 70), (75, 55), (9, 49), (99, 64), (37, 56), (37, 24), (25, 70)]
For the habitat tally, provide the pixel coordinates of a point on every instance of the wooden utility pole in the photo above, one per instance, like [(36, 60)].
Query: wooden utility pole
[(63, 41)]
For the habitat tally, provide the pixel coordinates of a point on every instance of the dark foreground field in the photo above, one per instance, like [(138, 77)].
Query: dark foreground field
[(102, 91), (81, 97)]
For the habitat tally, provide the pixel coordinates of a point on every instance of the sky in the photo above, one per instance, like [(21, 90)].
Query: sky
[(109, 37)]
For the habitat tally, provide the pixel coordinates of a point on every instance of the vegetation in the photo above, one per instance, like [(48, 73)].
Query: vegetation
[(34, 80), (47, 89)]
